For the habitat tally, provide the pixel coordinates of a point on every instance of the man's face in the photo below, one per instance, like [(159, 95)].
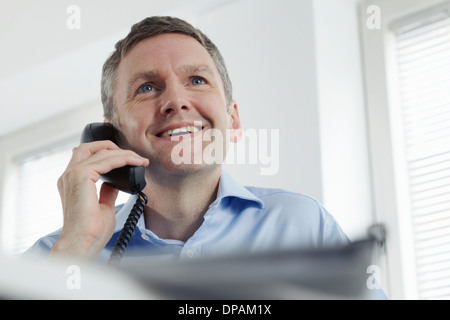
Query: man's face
[(165, 83)]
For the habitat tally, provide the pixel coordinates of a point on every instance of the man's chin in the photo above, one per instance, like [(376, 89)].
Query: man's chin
[(186, 168)]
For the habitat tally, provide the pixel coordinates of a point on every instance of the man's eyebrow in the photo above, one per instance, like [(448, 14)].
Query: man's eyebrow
[(148, 75), (200, 68)]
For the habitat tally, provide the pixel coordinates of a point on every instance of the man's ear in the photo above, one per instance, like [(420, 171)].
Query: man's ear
[(235, 126)]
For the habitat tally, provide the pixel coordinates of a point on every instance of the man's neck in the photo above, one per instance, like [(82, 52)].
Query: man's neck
[(177, 203)]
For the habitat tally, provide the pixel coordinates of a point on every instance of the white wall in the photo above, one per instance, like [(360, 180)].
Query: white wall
[(346, 181)]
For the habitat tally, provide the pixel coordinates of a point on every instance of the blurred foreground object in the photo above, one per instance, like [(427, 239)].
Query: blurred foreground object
[(330, 273), (344, 272), (30, 279)]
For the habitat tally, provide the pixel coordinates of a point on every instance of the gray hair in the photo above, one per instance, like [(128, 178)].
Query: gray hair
[(147, 28)]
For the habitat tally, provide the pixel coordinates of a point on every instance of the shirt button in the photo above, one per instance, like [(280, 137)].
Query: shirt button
[(189, 253), (145, 237)]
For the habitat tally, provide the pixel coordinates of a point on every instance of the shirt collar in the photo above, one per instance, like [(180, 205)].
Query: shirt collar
[(228, 187)]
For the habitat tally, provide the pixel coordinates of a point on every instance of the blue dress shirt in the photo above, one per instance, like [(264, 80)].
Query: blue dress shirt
[(241, 219)]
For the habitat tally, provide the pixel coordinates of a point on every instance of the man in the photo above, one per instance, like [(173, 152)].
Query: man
[(166, 86)]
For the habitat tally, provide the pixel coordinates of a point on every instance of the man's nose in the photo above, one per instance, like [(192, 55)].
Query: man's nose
[(173, 99)]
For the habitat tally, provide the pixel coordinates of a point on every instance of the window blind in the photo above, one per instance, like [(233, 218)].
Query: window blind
[(38, 206), (423, 62)]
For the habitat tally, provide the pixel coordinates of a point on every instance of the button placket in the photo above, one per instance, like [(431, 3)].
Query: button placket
[(189, 253)]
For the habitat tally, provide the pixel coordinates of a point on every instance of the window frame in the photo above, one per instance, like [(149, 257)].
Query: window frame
[(389, 175)]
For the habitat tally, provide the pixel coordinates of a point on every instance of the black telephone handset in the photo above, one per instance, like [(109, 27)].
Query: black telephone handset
[(129, 179)]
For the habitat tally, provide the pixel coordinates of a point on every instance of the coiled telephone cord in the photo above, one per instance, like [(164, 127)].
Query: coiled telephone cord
[(128, 229)]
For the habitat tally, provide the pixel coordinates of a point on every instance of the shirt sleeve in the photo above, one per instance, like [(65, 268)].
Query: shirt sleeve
[(297, 220), (42, 247), (332, 233)]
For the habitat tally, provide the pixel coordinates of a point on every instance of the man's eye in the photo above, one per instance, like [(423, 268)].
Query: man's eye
[(145, 88), (198, 80)]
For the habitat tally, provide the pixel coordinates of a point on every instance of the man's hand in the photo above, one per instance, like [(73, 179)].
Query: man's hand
[(89, 220)]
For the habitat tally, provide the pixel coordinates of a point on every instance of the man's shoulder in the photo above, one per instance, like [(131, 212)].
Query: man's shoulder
[(299, 215), (293, 206), (43, 245)]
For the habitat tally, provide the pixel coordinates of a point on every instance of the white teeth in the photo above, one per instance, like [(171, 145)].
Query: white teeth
[(179, 131)]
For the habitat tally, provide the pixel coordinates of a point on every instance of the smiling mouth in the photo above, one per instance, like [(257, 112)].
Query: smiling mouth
[(180, 131)]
